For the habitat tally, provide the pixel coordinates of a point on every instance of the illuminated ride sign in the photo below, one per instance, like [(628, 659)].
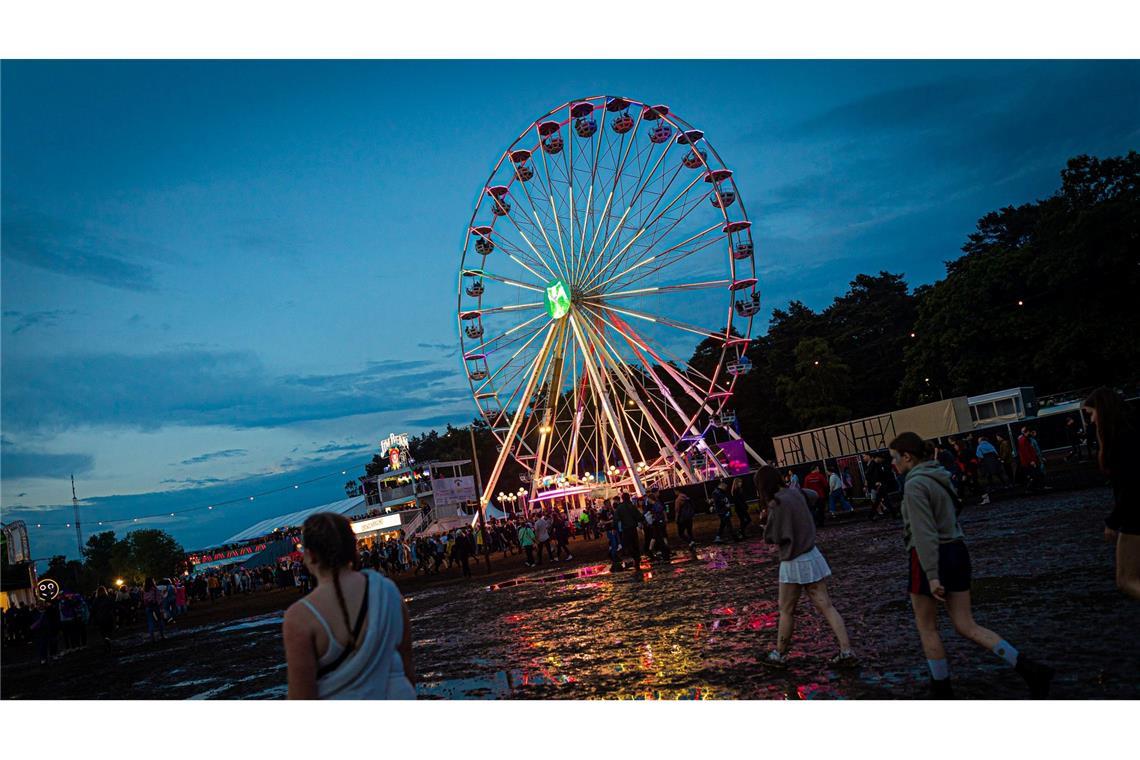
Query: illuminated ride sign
[(557, 299)]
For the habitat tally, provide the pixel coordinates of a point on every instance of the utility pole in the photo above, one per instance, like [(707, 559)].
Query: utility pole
[(78, 532), (480, 506)]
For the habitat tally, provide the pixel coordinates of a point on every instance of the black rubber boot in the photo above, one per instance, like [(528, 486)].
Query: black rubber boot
[(941, 689), (1037, 676)]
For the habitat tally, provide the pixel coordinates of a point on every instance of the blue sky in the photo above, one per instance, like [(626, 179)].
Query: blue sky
[(223, 277)]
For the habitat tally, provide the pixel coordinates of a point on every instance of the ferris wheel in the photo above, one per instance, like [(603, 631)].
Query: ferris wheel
[(609, 241)]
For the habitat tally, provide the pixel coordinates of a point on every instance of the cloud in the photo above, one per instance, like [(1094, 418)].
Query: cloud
[(449, 349), (58, 246), (333, 447), (192, 482), (457, 418), (224, 454), (26, 319), (201, 387), (17, 463)]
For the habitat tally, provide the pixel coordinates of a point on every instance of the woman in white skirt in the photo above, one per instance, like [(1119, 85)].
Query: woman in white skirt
[(802, 566)]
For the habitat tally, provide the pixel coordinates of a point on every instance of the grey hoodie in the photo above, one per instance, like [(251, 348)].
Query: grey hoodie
[(928, 514)]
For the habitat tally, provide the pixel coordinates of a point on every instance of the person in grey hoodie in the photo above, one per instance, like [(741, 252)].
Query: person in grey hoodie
[(940, 567), (802, 567)]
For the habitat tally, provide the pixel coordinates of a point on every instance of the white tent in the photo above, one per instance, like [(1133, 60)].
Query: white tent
[(494, 513), (349, 507)]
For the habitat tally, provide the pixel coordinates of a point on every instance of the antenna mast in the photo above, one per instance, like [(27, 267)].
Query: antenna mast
[(75, 506)]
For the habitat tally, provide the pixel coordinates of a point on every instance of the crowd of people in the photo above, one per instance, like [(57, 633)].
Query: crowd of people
[(921, 482)]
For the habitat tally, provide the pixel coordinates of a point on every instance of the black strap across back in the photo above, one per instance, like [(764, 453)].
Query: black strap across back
[(323, 671)]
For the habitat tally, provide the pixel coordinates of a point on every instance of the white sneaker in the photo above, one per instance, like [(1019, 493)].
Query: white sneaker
[(985, 498)]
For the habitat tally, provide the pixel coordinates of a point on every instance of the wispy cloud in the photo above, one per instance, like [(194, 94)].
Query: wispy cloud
[(211, 456), (25, 319), (200, 387), (57, 246)]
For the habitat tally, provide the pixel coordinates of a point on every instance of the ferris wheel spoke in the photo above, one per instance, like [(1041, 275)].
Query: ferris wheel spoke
[(592, 276), (619, 257), (516, 420), (660, 319), (490, 379), (484, 274), (637, 194), (485, 346), (663, 258), (548, 183), (653, 235), (621, 368), (659, 289), (680, 378), (626, 331), (532, 247), (611, 417)]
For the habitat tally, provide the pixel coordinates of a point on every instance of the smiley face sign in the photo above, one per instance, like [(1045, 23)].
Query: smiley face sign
[(47, 589)]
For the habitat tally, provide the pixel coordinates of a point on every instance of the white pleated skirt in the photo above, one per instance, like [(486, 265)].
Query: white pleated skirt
[(809, 567)]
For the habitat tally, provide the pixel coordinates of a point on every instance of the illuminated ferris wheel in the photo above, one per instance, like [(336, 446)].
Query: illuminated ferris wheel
[(609, 241)]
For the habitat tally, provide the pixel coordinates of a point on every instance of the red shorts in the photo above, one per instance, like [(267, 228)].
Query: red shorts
[(953, 569)]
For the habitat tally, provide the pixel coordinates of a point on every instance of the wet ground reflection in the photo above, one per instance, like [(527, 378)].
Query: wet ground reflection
[(699, 626)]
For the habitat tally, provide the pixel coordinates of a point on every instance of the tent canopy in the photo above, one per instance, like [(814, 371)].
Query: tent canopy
[(351, 506)]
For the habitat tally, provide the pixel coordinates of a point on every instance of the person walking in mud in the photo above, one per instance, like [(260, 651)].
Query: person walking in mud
[(332, 654), (722, 505), (740, 506), (659, 528), (685, 511), (628, 518), (940, 568), (791, 527), (1118, 452)]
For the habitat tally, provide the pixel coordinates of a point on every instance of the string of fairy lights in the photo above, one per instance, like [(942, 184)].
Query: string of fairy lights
[(204, 507)]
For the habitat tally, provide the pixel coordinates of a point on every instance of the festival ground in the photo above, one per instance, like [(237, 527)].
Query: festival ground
[(695, 628)]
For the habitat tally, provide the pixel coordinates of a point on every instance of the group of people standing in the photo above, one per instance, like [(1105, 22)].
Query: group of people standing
[(939, 570)]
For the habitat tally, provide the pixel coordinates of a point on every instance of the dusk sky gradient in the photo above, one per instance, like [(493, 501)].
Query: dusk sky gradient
[(219, 278)]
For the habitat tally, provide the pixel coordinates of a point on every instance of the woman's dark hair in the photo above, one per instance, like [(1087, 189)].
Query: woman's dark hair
[(1113, 423), (101, 591), (329, 537), (149, 585), (912, 443), (768, 482)]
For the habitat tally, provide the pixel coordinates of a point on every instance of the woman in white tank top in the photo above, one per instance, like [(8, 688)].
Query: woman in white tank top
[(351, 637)]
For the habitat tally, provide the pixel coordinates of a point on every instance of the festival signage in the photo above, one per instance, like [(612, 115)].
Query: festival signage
[(371, 525), (453, 491), (47, 589)]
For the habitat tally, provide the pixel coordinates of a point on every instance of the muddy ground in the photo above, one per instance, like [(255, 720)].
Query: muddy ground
[(692, 629)]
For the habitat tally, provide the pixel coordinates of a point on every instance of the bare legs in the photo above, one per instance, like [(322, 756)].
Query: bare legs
[(817, 592), (1128, 564), (958, 607)]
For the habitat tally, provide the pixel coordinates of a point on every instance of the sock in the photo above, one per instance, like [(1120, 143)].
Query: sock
[(939, 669), (1007, 652)]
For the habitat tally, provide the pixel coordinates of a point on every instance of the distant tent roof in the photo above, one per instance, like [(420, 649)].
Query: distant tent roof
[(294, 519)]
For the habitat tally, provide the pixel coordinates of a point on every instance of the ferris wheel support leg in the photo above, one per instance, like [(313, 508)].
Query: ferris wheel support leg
[(516, 421), (615, 427)]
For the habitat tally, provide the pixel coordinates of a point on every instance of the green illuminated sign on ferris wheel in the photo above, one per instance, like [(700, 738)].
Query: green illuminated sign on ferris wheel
[(557, 299)]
